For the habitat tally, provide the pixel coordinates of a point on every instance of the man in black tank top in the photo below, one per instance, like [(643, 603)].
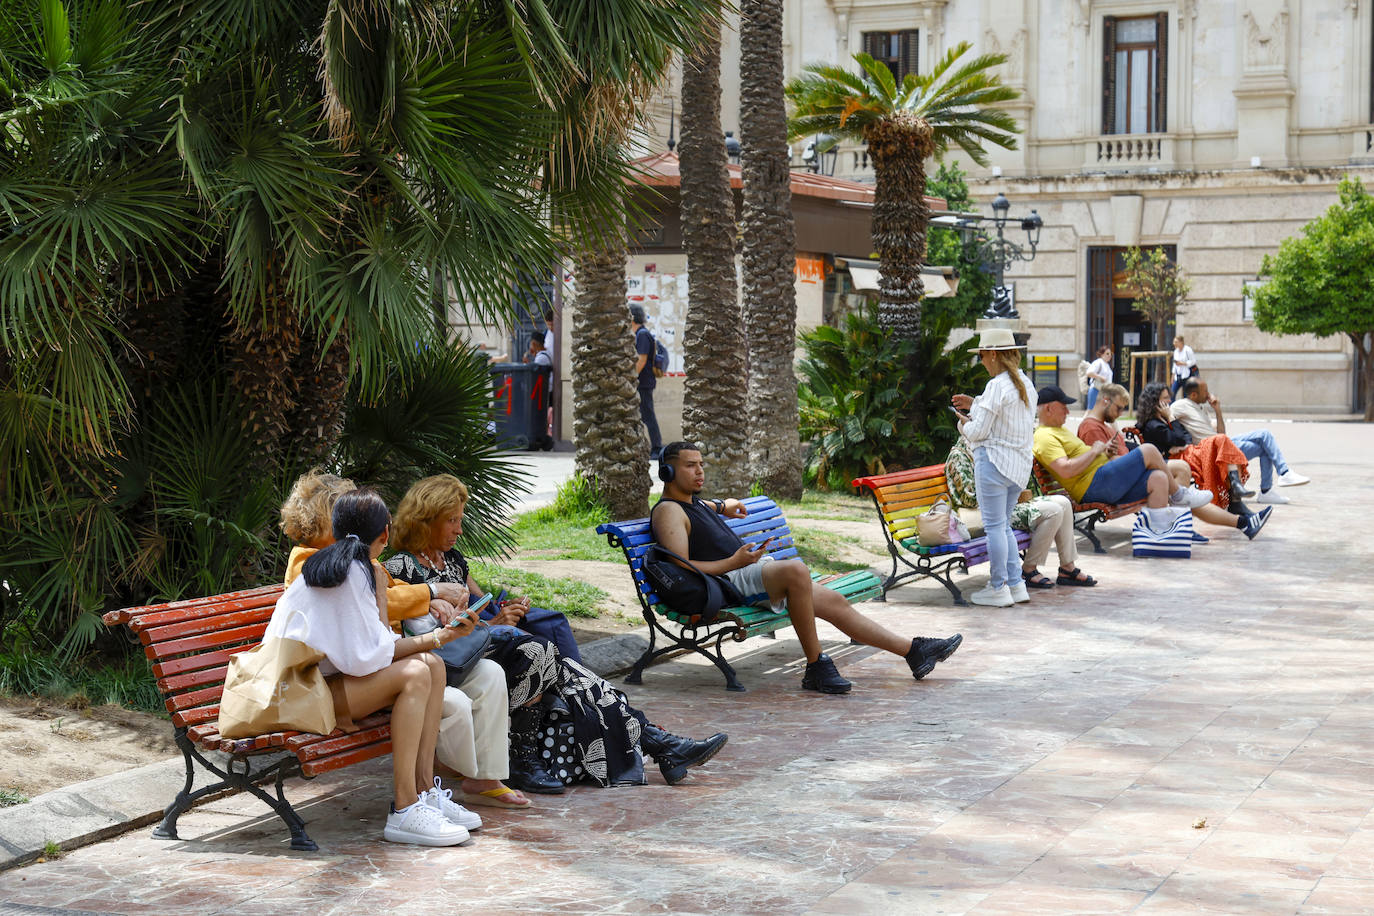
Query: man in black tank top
[(692, 527)]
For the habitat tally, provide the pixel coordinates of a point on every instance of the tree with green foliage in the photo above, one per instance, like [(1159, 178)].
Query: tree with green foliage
[(222, 224), (946, 247), (904, 125), (1322, 282), (1160, 287)]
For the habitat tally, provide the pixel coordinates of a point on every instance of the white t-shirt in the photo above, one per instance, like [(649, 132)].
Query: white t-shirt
[(1103, 368), (548, 344), (342, 622), (1186, 358)]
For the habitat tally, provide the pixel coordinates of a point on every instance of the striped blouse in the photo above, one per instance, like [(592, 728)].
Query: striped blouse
[(1002, 423)]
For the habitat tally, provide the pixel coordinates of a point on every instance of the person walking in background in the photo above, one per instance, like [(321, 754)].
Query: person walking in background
[(1099, 375), (1200, 413), (644, 371), (1000, 427), (1185, 365)]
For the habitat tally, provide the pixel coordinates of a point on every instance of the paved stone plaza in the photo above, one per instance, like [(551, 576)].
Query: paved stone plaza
[(1190, 736)]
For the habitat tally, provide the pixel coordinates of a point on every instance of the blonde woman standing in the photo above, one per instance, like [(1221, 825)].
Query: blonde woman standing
[(1000, 427)]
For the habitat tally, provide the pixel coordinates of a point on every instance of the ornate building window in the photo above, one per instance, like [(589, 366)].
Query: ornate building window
[(1134, 64), (899, 50)]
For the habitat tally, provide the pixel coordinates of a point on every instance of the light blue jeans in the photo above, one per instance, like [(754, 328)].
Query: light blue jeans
[(996, 498), (1260, 444)]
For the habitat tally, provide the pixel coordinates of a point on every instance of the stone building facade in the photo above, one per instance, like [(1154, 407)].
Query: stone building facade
[(1215, 128)]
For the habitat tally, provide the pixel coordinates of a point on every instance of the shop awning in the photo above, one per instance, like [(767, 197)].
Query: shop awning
[(940, 282)]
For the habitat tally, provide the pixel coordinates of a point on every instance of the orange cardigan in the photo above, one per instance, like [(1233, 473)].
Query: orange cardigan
[(403, 600)]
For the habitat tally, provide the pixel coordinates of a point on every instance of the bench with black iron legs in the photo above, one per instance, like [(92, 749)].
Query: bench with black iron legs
[(190, 644), (1085, 515), (682, 632), (901, 497)]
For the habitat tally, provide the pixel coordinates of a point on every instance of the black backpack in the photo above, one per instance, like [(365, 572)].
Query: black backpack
[(689, 591)]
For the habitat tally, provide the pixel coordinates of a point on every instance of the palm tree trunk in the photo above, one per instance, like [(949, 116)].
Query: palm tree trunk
[(262, 352), (713, 339), (321, 373), (899, 146), (770, 252), (612, 446)]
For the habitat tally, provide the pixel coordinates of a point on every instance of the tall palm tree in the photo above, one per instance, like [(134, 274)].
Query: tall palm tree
[(713, 339), (770, 252), (904, 125), (614, 53)]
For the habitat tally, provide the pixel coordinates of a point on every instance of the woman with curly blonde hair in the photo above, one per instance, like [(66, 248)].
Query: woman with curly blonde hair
[(473, 732), (548, 690)]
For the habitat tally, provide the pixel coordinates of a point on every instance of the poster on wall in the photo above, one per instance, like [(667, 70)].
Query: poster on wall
[(663, 297)]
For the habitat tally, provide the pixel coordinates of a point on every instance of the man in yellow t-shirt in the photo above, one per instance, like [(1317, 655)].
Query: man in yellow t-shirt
[(1089, 476)]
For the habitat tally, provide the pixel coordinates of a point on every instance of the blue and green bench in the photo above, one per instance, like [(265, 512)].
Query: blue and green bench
[(687, 632)]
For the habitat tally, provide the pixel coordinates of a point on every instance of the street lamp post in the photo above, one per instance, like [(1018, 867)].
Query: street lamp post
[(996, 254)]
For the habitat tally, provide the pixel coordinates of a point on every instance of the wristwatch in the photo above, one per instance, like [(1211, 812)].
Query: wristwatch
[(720, 506), (433, 590)]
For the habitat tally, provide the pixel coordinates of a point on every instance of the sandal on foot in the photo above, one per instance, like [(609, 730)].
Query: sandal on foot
[(1075, 576), (1036, 579), (500, 797)]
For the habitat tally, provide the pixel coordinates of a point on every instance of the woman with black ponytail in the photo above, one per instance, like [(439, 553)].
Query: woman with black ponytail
[(338, 607)]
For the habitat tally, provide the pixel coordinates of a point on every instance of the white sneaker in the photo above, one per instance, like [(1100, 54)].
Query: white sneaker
[(1018, 592), (1292, 479), (1190, 497), (441, 800), (992, 597), (423, 826), (1273, 497)]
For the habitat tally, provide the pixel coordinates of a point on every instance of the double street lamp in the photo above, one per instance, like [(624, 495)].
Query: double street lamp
[(995, 254)]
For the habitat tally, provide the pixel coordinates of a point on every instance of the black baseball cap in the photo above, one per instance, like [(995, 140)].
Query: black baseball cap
[(1051, 393)]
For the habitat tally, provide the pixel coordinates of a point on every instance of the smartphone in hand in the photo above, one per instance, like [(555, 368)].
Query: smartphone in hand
[(955, 411), (476, 607)]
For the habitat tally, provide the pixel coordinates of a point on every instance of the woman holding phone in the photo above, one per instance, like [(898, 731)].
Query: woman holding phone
[(546, 688), (338, 606), (1000, 427)]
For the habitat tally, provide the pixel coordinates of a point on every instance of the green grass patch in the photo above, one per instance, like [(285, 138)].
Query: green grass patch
[(571, 596), (830, 504), (566, 528), (819, 549), (11, 797), (91, 681)]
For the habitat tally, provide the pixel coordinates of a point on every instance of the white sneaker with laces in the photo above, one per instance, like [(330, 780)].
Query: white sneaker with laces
[(1292, 479), (1273, 497), (992, 597), (422, 825), (441, 800), (1190, 497), (1019, 594)]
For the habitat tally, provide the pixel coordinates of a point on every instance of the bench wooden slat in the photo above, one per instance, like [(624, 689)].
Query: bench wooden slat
[(358, 755), (211, 624), (173, 666), (250, 634), (202, 678), (310, 747), (128, 615), (206, 611)]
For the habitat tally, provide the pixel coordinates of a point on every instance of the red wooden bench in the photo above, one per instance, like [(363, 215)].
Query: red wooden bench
[(1085, 515), (190, 643), (902, 496)]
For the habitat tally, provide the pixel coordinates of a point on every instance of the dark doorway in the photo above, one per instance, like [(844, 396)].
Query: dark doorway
[(1112, 318)]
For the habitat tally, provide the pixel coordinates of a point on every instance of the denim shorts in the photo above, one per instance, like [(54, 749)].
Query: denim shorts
[(1121, 480)]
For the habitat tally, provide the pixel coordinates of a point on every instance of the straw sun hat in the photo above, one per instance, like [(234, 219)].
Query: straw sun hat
[(998, 339)]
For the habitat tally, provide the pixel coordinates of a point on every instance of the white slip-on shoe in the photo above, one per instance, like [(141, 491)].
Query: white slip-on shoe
[(1292, 479), (422, 825), (1019, 595), (1273, 497), (441, 800), (1190, 497), (992, 597)]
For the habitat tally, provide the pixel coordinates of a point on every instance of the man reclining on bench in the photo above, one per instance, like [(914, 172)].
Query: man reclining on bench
[(1087, 474), (691, 527)]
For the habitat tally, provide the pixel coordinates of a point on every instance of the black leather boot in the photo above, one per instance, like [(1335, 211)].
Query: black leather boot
[(1238, 492), (527, 770), (674, 754)]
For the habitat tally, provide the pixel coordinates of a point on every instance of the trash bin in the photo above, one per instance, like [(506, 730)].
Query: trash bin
[(520, 400)]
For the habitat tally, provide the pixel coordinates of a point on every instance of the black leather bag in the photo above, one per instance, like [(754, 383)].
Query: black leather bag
[(461, 655), (688, 591)]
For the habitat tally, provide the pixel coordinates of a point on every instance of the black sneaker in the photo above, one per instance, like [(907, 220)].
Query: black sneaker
[(926, 653), (1251, 524), (822, 675)]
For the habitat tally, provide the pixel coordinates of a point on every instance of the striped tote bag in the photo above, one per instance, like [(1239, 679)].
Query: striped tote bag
[(1175, 541)]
